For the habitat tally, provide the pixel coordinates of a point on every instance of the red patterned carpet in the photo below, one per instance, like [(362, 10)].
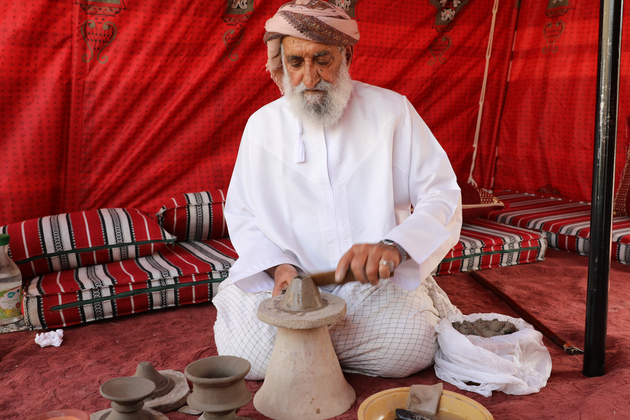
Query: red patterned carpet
[(35, 380)]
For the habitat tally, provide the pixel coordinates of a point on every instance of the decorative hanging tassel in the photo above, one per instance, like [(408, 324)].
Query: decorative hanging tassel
[(300, 153)]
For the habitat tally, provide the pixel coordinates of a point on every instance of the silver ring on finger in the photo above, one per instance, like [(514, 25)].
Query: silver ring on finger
[(389, 264)]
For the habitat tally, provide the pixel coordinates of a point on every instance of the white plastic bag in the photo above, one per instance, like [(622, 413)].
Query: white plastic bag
[(516, 363)]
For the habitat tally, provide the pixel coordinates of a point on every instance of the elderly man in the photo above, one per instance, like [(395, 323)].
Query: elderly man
[(338, 175)]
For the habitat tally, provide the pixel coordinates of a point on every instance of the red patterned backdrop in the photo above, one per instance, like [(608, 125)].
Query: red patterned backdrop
[(122, 103), (548, 123)]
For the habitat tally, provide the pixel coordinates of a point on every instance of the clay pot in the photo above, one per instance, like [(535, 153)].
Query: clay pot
[(218, 386), (127, 395)]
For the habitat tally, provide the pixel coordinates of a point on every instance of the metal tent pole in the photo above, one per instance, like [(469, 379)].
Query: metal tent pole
[(603, 185)]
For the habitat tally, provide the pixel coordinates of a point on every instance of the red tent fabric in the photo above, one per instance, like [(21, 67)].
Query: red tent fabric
[(125, 104), (547, 127)]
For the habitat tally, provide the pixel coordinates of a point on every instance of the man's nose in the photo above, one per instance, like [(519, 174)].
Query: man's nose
[(311, 76)]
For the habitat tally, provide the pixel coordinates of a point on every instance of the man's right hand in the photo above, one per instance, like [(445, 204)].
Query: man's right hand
[(282, 275)]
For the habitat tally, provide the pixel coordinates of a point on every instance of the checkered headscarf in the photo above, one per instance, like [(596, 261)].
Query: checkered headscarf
[(313, 20)]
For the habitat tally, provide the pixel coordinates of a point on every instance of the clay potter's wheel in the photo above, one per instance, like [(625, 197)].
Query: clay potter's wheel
[(302, 307), (304, 379)]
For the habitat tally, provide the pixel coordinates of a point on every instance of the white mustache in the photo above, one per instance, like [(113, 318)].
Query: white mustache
[(325, 103), (320, 86)]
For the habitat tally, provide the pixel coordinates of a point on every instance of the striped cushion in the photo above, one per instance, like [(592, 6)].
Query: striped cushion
[(178, 275), (566, 224), (477, 202), (484, 244), (188, 273), (622, 203), (195, 216), (80, 239)]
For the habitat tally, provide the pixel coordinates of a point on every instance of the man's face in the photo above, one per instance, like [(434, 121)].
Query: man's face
[(316, 79), (308, 62)]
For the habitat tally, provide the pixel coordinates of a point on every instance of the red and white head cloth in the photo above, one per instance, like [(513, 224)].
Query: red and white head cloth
[(313, 20)]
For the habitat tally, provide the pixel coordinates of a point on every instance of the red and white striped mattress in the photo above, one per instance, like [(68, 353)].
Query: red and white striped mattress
[(566, 224), (181, 274), (485, 244), (189, 272)]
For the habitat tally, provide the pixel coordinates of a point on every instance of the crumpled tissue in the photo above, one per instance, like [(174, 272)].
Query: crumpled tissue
[(51, 338)]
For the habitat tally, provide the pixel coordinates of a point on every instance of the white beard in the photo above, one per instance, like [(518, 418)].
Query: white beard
[(319, 109)]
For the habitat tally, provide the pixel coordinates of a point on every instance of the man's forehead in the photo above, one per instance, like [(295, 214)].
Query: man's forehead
[(302, 47)]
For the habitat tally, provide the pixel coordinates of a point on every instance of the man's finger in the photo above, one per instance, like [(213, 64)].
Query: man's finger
[(340, 273), (358, 266), (372, 267), (279, 288), (384, 271), (342, 266)]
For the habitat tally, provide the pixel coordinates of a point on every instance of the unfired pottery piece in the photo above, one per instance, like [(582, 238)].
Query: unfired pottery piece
[(163, 384), (127, 396), (176, 397), (204, 416), (304, 379), (301, 296), (218, 386), (103, 414)]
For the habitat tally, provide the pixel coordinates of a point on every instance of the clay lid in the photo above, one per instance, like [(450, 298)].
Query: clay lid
[(301, 296), (163, 384), (302, 307)]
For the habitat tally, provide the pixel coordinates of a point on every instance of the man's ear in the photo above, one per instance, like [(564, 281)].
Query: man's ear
[(349, 54), (276, 76)]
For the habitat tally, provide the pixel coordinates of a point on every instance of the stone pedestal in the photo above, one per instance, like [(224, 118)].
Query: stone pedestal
[(304, 379)]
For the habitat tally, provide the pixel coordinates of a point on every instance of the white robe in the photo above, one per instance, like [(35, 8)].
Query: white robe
[(356, 185)]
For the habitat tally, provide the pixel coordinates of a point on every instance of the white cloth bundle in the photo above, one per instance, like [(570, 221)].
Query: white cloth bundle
[(51, 338)]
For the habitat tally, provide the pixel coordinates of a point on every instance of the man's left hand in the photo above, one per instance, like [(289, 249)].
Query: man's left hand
[(365, 262)]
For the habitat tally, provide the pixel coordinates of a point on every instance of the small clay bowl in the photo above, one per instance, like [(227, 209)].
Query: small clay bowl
[(62, 415), (127, 390)]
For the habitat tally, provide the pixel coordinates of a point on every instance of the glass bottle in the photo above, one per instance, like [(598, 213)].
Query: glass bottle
[(10, 285)]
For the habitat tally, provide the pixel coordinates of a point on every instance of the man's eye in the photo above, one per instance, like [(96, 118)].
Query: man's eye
[(323, 62), (295, 64)]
